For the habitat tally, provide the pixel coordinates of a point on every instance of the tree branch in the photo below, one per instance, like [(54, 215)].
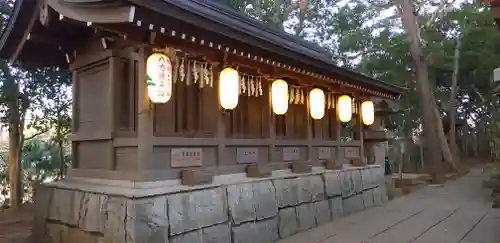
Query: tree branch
[(443, 9), (34, 135)]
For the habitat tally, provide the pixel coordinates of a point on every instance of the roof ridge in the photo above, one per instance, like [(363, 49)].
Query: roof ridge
[(223, 9)]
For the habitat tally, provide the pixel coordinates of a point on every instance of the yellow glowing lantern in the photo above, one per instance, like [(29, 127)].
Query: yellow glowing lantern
[(279, 96), (229, 85), (159, 78), (344, 108), (317, 103), (368, 112)]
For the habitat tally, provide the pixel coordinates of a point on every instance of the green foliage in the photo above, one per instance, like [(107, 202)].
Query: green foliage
[(37, 99), (51, 111), (368, 36), (40, 160)]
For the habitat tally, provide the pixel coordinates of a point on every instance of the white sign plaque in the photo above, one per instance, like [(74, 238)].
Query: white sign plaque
[(324, 152), (291, 154), (247, 155), (186, 157), (351, 152)]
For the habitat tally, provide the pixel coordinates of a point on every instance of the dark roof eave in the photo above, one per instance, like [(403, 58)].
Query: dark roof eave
[(247, 26), (31, 54), (11, 33)]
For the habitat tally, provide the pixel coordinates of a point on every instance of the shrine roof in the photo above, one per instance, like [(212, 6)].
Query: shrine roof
[(210, 16)]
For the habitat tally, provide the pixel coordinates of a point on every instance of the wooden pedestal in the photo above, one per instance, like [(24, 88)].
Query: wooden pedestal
[(258, 171), (301, 167), (191, 177), (331, 164), (357, 162)]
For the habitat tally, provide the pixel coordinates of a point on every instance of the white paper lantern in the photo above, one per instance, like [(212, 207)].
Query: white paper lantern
[(344, 108), (229, 84), (368, 112), (317, 103), (159, 78), (279, 96)]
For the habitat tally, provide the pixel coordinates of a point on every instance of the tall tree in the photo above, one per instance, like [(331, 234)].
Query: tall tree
[(433, 130), (30, 97), (52, 111)]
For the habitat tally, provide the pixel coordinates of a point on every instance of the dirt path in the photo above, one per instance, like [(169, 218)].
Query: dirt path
[(15, 226)]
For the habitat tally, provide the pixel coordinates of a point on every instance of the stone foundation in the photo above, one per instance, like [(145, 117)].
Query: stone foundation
[(235, 211)]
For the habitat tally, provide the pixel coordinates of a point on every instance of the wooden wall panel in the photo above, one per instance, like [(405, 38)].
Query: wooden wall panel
[(126, 97), (95, 155), (126, 159), (325, 128), (333, 124), (192, 110), (210, 111), (292, 125), (250, 119), (92, 98)]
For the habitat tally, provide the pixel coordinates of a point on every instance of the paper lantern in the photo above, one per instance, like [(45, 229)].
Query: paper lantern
[(279, 96), (317, 103), (159, 78), (368, 112), (344, 108), (229, 85)]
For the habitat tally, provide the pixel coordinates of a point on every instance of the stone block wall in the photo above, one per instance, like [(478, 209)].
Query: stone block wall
[(261, 210)]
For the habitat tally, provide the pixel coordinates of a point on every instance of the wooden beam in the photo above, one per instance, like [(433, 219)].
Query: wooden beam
[(27, 33), (141, 36), (104, 13)]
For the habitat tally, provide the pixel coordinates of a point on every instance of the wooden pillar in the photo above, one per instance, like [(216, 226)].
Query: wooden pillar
[(145, 115), (272, 127), (111, 103), (336, 126), (221, 120), (359, 132), (75, 118), (336, 123), (309, 129)]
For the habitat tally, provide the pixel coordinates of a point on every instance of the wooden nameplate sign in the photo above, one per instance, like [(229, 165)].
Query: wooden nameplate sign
[(258, 170), (301, 167), (192, 177), (331, 164)]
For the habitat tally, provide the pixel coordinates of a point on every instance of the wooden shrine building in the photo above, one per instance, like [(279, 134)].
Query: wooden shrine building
[(188, 89), (119, 133)]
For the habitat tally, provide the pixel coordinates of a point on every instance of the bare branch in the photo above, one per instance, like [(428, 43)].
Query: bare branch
[(441, 11), (34, 135), (481, 96)]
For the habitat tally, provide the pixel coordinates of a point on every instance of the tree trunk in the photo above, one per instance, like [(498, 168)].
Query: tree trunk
[(302, 16), (431, 137), (14, 163), (443, 141), (453, 107), (60, 145), (62, 168), (422, 164)]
